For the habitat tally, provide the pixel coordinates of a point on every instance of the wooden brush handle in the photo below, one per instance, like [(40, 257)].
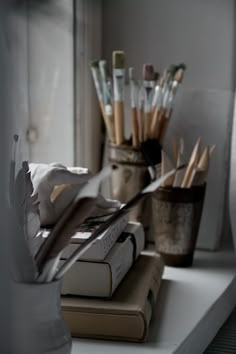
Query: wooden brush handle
[(155, 123), (141, 125), (147, 125), (134, 126), (163, 122), (109, 122), (119, 122), (102, 108)]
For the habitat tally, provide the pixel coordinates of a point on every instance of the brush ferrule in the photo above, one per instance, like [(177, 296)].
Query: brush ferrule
[(147, 106), (141, 98), (159, 101), (155, 95), (97, 83), (148, 100), (148, 84), (108, 110), (131, 74), (119, 72), (174, 86), (169, 104), (166, 98), (119, 84), (133, 94)]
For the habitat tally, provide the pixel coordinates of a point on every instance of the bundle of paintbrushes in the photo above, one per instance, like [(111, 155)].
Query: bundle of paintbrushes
[(197, 166), (151, 102)]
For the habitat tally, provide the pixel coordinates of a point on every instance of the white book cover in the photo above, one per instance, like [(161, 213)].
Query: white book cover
[(100, 247), (100, 279)]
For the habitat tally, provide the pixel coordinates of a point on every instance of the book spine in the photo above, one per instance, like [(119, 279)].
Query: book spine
[(107, 240), (99, 279)]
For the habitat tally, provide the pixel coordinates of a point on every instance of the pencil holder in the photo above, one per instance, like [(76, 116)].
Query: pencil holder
[(129, 178), (38, 325), (176, 216)]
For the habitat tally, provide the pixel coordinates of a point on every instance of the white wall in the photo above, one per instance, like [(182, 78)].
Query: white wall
[(199, 33), (202, 35)]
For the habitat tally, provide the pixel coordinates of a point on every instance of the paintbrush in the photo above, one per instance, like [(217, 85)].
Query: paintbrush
[(118, 63), (104, 226), (157, 109), (80, 208), (148, 84), (156, 91), (192, 164), (163, 117), (107, 99), (141, 101), (94, 66), (133, 102), (168, 77), (177, 80)]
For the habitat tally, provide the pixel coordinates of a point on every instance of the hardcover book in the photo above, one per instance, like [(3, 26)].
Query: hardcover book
[(102, 278), (127, 315)]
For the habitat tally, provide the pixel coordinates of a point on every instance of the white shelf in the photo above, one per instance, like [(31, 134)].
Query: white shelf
[(193, 304)]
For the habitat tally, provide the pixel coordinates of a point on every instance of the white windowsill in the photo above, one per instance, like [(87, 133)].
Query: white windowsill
[(192, 305)]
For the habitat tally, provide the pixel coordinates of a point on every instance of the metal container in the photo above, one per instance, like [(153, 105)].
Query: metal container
[(176, 216), (129, 178)]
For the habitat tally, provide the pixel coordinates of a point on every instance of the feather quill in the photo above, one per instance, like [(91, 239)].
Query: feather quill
[(104, 226), (80, 209)]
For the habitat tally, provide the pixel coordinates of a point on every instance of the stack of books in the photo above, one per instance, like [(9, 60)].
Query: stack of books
[(110, 291)]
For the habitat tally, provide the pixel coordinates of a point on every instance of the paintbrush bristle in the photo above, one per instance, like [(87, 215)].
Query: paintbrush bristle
[(148, 72), (156, 76), (94, 64), (103, 68), (102, 63), (182, 66), (179, 75), (172, 70), (118, 59), (165, 76)]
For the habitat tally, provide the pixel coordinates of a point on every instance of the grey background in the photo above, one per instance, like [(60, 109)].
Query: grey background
[(200, 33)]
